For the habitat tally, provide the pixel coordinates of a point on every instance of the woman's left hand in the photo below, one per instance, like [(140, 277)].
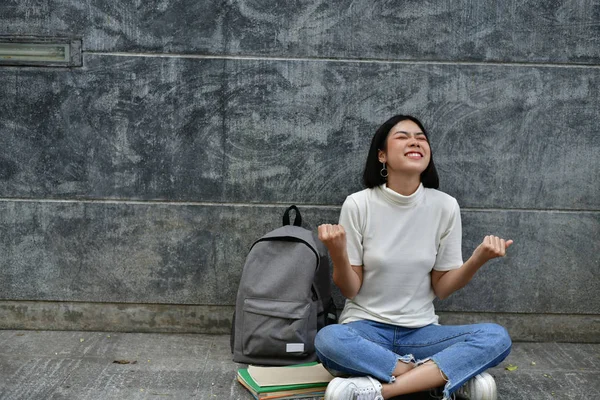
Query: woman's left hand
[(492, 247)]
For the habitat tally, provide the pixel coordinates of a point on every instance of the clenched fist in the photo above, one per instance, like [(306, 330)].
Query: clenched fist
[(334, 237), (492, 247)]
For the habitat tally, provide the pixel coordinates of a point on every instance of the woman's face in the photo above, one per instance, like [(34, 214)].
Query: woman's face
[(407, 149)]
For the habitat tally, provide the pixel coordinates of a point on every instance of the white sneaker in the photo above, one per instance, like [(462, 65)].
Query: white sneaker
[(362, 388), (480, 387)]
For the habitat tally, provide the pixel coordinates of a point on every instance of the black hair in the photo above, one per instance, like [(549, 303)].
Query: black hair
[(372, 176)]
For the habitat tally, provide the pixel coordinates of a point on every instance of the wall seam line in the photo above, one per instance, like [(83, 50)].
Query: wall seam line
[(268, 205), (347, 60), (59, 302)]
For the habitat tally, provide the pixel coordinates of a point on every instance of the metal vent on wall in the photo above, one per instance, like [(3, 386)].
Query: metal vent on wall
[(40, 51)]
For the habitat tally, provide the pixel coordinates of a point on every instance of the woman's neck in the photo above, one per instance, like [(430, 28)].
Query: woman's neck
[(404, 185)]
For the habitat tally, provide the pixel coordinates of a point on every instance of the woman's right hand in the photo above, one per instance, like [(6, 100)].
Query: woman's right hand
[(334, 237), (347, 277)]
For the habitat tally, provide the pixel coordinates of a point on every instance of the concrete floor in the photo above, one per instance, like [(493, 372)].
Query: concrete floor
[(79, 365)]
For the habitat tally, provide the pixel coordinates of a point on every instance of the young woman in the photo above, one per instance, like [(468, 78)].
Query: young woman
[(397, 246)]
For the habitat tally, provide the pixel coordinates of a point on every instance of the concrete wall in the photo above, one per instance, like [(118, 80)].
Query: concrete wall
[(131, 188)]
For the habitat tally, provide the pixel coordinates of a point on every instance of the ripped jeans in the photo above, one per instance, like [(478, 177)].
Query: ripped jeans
[(372, 348)]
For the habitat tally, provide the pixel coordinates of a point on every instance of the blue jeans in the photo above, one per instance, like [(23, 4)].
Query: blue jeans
[(372, 348)]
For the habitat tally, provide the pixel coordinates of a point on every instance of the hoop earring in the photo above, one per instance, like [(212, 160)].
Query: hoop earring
[(384, 171)]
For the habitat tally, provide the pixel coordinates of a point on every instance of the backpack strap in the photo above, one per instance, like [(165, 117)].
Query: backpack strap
[(286, 216)]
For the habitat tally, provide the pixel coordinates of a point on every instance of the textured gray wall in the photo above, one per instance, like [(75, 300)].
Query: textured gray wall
[(142, 177)]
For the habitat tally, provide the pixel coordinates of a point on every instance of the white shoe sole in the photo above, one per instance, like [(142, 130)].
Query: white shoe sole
[(332, 387), (488, 382), (482, 387)]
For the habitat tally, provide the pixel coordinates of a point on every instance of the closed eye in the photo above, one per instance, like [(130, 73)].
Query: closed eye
[(405, 135)]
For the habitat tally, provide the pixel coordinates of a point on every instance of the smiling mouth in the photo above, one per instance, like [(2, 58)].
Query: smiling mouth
[(414, 155)]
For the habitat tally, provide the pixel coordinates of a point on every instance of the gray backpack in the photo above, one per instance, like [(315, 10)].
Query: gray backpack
[(284, 297)]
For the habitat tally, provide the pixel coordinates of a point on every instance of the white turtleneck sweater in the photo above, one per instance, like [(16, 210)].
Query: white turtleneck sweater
[(398, 240)]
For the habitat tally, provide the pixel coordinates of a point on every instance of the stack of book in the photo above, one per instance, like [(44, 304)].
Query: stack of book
[(292, 382)]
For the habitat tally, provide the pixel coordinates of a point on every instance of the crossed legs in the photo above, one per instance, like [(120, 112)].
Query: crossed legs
[(408, 360)]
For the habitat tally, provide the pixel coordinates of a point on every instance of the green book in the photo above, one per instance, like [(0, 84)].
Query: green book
[(243, 374)]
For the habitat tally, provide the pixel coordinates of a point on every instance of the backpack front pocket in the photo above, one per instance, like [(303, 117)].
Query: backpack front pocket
[(278, 328)]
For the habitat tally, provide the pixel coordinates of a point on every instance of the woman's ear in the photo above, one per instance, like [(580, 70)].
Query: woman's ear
[(381, 156)]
